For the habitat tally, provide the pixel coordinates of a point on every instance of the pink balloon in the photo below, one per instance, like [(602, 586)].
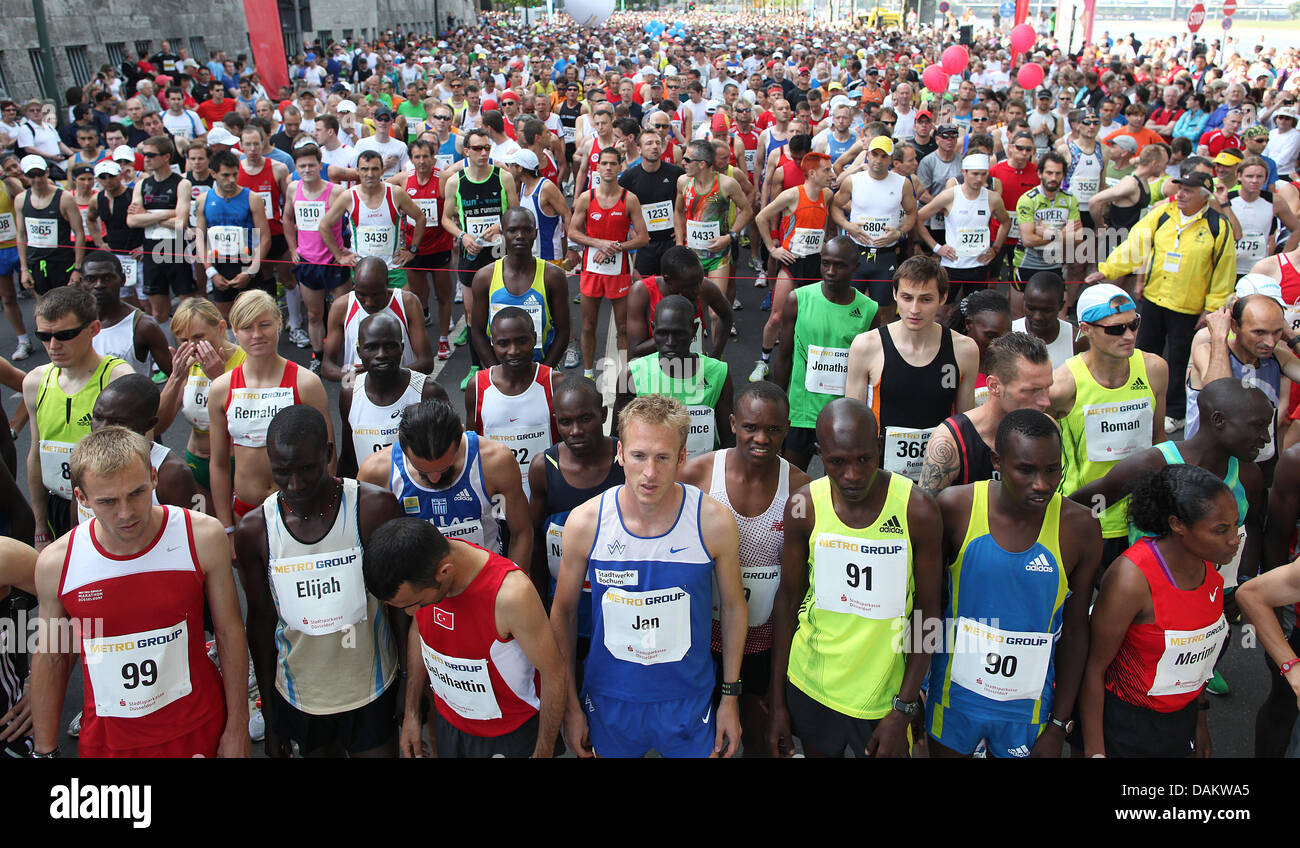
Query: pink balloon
[(1030, 75), (935, 79), (1023, 38), (955, 59)]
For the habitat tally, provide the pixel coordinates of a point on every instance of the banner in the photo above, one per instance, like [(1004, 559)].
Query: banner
[(268, 43)]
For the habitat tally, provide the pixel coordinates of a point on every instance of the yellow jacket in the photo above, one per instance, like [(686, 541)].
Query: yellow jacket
[(1206, 268)]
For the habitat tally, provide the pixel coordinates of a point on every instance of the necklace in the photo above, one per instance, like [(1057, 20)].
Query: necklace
[(335, 494)]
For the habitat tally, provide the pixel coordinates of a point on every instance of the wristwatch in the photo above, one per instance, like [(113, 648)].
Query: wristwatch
[(911, 709), (1067, 726), (732, 689)]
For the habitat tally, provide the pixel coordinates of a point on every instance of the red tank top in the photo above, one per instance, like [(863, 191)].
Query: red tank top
[(750, 142), (593, 160), (482, 685), (427, 197), (263, 183), (549, 169), (1163, 666), (791, 173), (656, 295), (148, 678), (1290, 283), (612, 224), (669, 155)]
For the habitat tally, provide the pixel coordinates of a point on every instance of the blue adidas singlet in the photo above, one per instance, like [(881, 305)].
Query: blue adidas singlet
[(461, 511), (1002, 620), (652, 607)]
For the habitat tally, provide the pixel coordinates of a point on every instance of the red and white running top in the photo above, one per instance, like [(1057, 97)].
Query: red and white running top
[(525, 422), (355, 314), (249, 410)]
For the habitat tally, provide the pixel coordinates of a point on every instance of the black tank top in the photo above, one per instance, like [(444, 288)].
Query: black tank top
[(63, 245), (976, 458), (1126, 216), (902, 403), (112, 211), (561, 497), (156, 195)]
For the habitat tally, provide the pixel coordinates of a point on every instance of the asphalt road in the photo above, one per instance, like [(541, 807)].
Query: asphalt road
[(1232, 718)]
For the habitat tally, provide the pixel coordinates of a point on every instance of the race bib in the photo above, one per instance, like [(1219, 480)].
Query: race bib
[(806, 241), (477, 225), (376, 241), (1189, 657), (554, 548), (1002, 665), (307, 214), (130, 270), (703, 427), (194, 404), (700, 234), (1229, 572), (905, 450), (429, 206), (468, 530), (534, 310), (42, 233), (271, 211), (658, 216), (751, 158), (611, 266), (228, 242), (198, 194), (1251, 246), (827, 371), (443, 161), (647, 628), (462, 684), (760, 593), (1172, 262), (525, 443), (570, 134), (140, 673), (862, 577), (1118, 430), (320, 594), (875, 226), (55, 473), (8, 231), (971, 241), (1084, 189)]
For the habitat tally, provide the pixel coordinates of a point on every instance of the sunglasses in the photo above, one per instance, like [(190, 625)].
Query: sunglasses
[(1121, 329), (1091, 123), (979, 120), (946, 135), (62, 335), (479, 148), (1023, 149)]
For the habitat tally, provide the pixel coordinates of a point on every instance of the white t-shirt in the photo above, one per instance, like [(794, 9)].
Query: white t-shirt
[(392, 147), (187, 125)]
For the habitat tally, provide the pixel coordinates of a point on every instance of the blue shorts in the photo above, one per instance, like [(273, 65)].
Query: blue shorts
[(8, 261), (322, 277), (681, 728), (962, 732)]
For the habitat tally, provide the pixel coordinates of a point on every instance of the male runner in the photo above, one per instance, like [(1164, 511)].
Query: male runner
[(138, 578), (913, 373), (374, 209), (370, 405), (860, 557), (1043, 300), (1049, 222), (703, 207), (269, 179), (1015, 624), (876, 208), (966, 210), (458, 482), (654, 183), (431, 255), (754, 482), (820, 323), (961, 451), (324, 650), (651, 550), (125, 332), (681, 274), (50, 255), (371, 295), (160, 204)]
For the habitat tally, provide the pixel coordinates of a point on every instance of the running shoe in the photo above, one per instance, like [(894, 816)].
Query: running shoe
[(23, 351), (760, 282), (462, 338), (1217, 685), (572, 358), (299, 336), (314, 367), (760, 372), (444, 349), (766, 305), (735, 305), (473, 369), (74, 726), (257, 723), (1173, 424)]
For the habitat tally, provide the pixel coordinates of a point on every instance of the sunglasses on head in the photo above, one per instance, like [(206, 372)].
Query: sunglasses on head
[(1120, 329), (62, 335)]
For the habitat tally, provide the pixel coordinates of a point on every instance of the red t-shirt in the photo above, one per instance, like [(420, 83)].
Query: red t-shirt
[(1014, 184), (212, 112), (1216, 140)]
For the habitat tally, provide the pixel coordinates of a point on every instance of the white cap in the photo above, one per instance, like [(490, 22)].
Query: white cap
[(975, 162), (1102, 300), (1260, 284), (524, 158), (346, 107), (108, 168), (32, 162), (305, 141), (840, 100), (221, 135), (125, 152), (710, 107)]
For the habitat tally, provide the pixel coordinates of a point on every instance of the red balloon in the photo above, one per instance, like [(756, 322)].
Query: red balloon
[(1023, 38), (935, 79), (955, 59), (1030, 75)]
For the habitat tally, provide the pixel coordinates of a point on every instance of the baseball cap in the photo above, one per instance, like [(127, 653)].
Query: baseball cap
[(1285, 113), (882, 142), (32, 162), (1260, 284), (78, 170), (125, 153), (1101, 300), (711, 107), (108, 168), (346, 106), (924, 113), (1228, 156), (383, 113), (217, 135), (805, 70), (946, 129), (524, 158), (1044, 92), (1254, 130), (1125, 142), (1195, 179)]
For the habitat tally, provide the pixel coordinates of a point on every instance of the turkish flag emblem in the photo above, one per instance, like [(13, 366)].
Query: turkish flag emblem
[(444, 619)]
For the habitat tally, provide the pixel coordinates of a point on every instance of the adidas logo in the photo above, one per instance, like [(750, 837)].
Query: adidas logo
[(84, 421), (1019, 751), (463, 495), (891, 526), (1040, 563), (1139, 384), (856, 313)]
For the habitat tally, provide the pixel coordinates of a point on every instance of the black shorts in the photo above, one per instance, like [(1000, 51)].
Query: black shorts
[(1130, 731), (452, 742), (322, 277), (279, 249), (1085, 220), (466, 268), (229, 295), (355, 731), (755, 673), (801, 440), (167, 278), (1021, 275), (430, 262), (875, 274), (824, 730), (804, 270), (963, 281), (59, 513), (52, 271), (648, 258)]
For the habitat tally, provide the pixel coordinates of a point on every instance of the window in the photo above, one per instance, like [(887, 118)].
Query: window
[(4, 78), (143, 48), (38, 66), (304, 16), (116, 53), (325, 37), (347, 35), (198, 49), (80, 66), (290, 44)]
